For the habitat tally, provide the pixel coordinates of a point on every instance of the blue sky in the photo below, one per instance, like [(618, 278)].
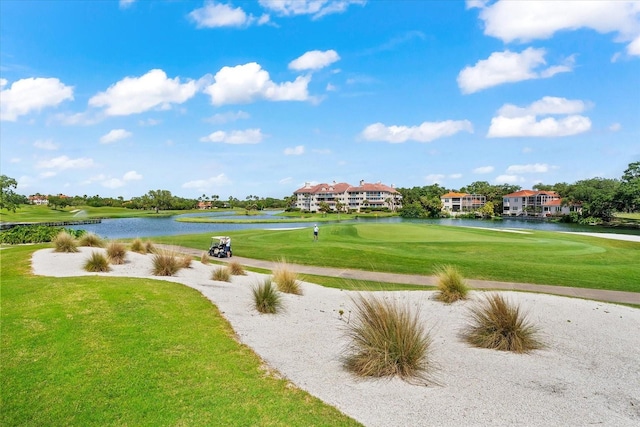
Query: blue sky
[(117, 98)]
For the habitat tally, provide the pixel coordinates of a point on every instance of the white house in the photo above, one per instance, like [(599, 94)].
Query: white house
[(462, 202), (536, 203)]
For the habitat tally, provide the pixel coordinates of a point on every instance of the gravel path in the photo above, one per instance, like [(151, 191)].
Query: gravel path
[(588, 374)]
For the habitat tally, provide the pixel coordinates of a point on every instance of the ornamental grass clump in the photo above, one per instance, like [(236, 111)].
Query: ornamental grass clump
[(221, 274), (387, 339), (116, 252), (499, 325), (148, 246), (266, 297), (91, 240), (204, 258), (236, 269), (451, 285), (165, 263), (137, 246), (286, 279), (65, 242), (185, 261), (97, 263)]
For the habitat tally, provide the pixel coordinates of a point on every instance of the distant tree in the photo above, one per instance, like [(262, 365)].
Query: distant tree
[(597, 196), (160, 199), (628, 196), (432, 205), (9, 200), (413, 210), (324, 207), (487, 210)]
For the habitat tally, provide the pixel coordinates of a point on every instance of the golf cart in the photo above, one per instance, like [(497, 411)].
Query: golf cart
[(219, 248)]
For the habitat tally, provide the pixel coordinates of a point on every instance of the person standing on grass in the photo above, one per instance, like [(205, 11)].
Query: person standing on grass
[(315, 232)]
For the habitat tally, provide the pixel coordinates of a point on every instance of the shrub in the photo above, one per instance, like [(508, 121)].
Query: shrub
[(91, 240), (286, 280), (451, 285), (236, 269), (65, 242), (204, 258), (221, 274), (116, 252), (138, 246), (185, 261), (387, 339), (97, 263), (165, 264), (266, 298), (33, 234), (499, 325), (148, 245)]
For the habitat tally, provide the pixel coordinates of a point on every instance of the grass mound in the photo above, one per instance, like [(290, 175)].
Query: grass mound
[(165, 264), (387, 339), (91, 240), (65, 242), (451, 285), (236, 269), (221, 274), (116, 252), (266, 298), (286, 279), (138, 246), (499, 325), (185, 261), (97, 263)]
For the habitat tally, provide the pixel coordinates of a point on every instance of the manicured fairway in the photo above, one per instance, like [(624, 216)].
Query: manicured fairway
[(535, 257), (115, 351)]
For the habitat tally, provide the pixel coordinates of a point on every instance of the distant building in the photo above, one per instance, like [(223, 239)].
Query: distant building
[(350, 197), (38, 199), (204, 205), (462, 202), (537, 203)]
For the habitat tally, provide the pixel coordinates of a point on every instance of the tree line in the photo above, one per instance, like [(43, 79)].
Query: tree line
[(599, 197)]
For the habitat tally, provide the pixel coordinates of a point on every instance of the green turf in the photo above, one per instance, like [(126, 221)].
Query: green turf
[(416, 248), (115, 351)]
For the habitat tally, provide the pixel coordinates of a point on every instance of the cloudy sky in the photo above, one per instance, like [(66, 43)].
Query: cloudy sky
[(241, 98)]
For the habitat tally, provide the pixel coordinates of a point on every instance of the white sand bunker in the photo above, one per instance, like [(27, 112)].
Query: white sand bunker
[(589, 374)]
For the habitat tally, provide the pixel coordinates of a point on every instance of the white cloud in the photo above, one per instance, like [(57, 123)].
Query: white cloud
[(149, 122), (249, 82), (15, 160), (531, 20), (295, 151), (48, 174), (230, 116), (133, 95), (214, 15), (434, 178), (81, 119), (249, 136), (45, 144), (317, 8), (513, 121), (132, 176), (115, 135), (64, 162), (321, 151), (285, 180), (331, 88), (546, 105), (615, 127), (455, 176), (483, 169), (427, 131), (314, 60), (208, 184), (535, 168), (508, 67), (633, 48), (32, 94), (126, 3), (508, 179)]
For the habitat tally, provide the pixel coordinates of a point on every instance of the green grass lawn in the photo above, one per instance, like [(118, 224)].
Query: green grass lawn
[(539, 257), (114, 351), (29, 213)]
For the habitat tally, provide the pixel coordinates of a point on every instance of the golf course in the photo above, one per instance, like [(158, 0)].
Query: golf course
[(98, 350)]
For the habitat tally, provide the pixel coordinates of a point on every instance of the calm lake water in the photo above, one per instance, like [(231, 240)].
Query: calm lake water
[(122, 228)]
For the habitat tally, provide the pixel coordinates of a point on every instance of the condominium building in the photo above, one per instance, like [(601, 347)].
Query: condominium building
[(462, 202), (347, 196), (537, 203)]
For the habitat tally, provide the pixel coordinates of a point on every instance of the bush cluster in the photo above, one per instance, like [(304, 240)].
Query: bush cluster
[(34, 234)]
